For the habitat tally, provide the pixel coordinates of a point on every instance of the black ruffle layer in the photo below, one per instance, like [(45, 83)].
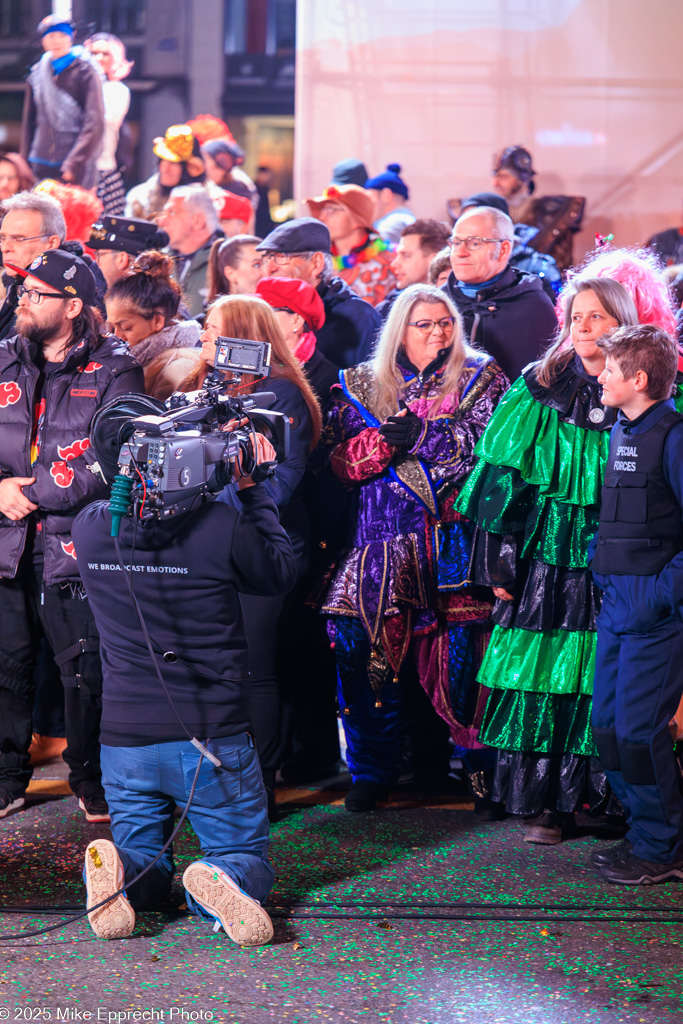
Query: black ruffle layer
[(530, 784), (553, 597)]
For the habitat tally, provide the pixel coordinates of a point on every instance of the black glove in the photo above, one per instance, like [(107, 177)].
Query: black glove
[(402, 431)]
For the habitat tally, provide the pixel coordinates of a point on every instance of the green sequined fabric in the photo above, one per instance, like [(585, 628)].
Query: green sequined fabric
[(542, 479), (556, 661), (542, 723)]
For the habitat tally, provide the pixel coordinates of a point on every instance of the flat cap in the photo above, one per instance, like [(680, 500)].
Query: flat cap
[(305, 234)]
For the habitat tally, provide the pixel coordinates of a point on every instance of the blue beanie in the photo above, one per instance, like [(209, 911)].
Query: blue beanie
[(389, 179), (53, 23)]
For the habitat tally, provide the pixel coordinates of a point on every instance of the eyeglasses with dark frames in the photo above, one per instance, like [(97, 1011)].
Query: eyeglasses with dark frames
[(37, 297)]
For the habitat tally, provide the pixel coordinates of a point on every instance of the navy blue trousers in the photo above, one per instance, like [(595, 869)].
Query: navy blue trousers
[(638, 683), (376, 736)]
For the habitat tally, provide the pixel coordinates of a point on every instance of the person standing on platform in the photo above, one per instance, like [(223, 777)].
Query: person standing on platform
[(63, 122), (557, 218), (110, 54)]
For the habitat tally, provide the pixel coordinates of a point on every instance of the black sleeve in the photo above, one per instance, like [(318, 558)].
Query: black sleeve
[(28, 122), (262, 556)]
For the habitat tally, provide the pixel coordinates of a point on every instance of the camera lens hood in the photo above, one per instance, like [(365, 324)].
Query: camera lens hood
[(107, 428)]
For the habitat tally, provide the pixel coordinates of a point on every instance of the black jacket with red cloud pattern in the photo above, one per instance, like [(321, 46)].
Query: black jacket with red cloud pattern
[(66, 474)]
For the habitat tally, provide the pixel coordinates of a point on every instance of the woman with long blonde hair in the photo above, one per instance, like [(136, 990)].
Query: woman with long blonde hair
[(402, 431), (250, 318)]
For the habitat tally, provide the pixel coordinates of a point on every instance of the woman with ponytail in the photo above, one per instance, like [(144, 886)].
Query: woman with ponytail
[(142, 309)]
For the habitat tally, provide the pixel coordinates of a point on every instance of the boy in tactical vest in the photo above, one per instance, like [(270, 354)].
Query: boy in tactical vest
[(638, 563)]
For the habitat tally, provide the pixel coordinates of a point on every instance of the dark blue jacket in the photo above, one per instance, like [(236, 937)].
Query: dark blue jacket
[(513, 319), (187, 577), (351, 324), (636, 604)]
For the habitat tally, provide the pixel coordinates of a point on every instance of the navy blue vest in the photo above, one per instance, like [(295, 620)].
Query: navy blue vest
[(640, 518)]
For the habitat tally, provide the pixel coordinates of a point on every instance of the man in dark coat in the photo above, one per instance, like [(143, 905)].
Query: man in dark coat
[(301, 248), (63, 122), (506, 311), (53, 376)]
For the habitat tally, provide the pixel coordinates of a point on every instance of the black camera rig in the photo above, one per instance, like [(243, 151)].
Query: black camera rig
[(162, 457)]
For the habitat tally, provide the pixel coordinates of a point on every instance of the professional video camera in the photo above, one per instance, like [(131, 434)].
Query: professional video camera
[(161, 457)]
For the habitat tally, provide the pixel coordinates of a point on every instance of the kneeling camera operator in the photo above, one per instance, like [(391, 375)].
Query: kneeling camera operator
[(163, 566)]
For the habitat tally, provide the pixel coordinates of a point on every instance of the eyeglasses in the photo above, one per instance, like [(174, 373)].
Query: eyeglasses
[(427, 326), (280, 258), (35, 296), (18, 239), (472, 243), (282, 309)]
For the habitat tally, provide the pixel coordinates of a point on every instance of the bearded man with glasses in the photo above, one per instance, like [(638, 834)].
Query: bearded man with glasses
[(505, 310), (33, 223), (54, 374)]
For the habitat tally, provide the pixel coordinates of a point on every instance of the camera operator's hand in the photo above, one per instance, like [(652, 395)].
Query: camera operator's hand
[(13, 502), (264, 453)]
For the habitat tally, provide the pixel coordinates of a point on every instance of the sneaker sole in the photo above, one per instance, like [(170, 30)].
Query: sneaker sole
[(12, 808), (104, 875), (645, 879), (93, 817), (244, 920)]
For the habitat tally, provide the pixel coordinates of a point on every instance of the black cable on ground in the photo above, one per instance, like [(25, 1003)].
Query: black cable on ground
[(88, 910)]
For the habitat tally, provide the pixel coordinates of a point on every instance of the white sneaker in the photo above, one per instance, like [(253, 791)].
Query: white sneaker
[(8, 805), (244, 919), (103, 877)]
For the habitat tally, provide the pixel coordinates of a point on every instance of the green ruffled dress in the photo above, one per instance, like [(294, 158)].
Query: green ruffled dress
[(535, 496)]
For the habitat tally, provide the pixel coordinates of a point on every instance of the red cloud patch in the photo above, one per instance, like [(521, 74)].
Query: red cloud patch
[(90, 368), (73, 450), (61, 474), (10, 392), (69, 548)]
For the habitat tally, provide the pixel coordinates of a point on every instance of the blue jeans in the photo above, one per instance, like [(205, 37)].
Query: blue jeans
[(229, 812)]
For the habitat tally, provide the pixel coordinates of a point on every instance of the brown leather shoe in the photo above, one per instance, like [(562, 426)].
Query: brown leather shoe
[(46, 749), (550, 829)]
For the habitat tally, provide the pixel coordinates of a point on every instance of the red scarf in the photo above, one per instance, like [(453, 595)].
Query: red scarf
[(305, 346)]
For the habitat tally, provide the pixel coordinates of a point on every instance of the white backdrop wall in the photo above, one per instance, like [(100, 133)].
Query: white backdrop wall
[(594, 88)]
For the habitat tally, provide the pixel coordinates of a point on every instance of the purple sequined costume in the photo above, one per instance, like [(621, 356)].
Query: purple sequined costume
[(402, 589)]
